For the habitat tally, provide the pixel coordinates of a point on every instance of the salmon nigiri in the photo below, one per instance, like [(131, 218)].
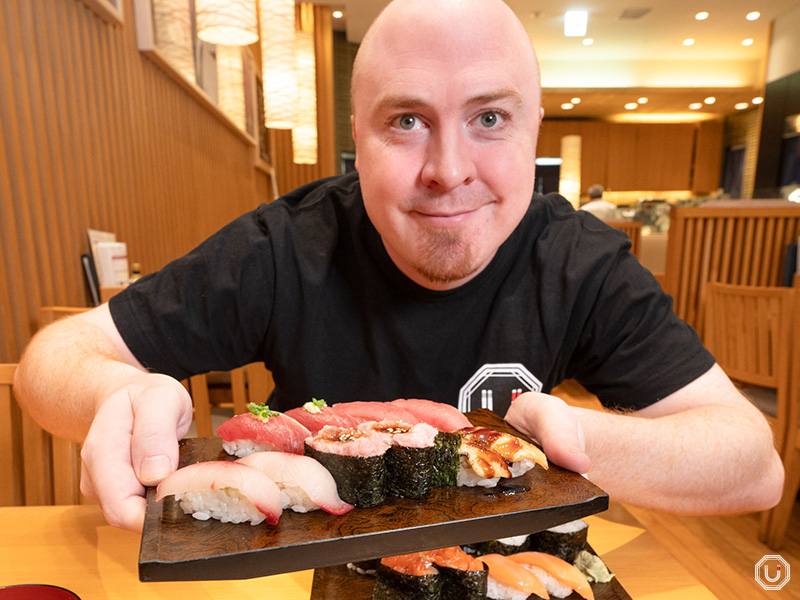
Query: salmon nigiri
[(510, 580), (567, 577)]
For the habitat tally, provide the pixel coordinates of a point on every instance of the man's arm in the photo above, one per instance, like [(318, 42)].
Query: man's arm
[(704, 449), (79, 380)]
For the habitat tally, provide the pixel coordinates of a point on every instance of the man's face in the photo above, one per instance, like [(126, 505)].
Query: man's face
[(445, 133)]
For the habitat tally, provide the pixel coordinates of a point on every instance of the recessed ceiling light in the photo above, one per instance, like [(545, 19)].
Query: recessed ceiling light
[(567, 105), (588, 41), (631, 106), (576, 101), (747, 42), (688, 42), (642, 100), (696, 105), (740, 105), (575, 22), (701, 16), (752, 16), (337, 14), (710, 100), (757, 100)]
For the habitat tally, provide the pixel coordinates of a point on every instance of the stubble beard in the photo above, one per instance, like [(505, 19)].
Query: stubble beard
[(445, 257)]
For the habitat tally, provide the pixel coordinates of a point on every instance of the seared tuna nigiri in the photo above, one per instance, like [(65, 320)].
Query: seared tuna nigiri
[(262, 429), (305, 484)]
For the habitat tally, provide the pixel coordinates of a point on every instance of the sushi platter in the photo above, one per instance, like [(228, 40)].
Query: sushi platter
[(176, 547), (330, 581)]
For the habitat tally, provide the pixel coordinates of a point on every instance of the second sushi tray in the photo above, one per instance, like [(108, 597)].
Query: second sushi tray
[(177, 547)]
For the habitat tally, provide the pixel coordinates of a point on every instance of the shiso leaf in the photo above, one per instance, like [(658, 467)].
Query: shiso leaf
[(262, 411)]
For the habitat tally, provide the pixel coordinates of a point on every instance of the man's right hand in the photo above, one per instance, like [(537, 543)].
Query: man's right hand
[(133, 443)]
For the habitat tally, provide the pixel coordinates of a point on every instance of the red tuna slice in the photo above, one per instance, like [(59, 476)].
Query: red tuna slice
[(442, 416), (280, 432), (375, 411), (293, 470), (254, 485), (316, 417)]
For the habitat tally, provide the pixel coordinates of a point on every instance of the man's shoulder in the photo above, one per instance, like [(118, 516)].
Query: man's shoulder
[(340, 188)]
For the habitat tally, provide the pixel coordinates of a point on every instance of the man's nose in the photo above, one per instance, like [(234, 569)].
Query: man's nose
[(449, 162)]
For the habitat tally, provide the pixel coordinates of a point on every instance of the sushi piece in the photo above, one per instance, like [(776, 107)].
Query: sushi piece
[(304, 483), (521, 455), (446, 461), (224, 490), (262, 429), (407, 577), (509, 580), (504, 546), (564, 541), (316, 414), (463, 577), (374, 411), (364, 567), (559, 577), (442, 416), (409, 460), (355, 458), (480, 466)]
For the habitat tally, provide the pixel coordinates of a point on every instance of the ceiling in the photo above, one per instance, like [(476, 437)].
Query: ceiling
[(632, 58)]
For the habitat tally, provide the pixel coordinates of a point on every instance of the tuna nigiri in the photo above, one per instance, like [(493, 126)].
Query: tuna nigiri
[(228, 491), (375, 411), (262, 429), (304, 483), (558, 576), (509, 580), (442, 416), (316, 414)]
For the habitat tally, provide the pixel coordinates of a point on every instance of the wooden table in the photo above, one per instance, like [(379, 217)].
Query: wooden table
[(73, 547)]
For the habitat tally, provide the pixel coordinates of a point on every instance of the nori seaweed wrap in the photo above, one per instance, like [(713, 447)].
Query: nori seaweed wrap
[(394, 585), (409, 471), (463, 585), (564, 541), (503, 546), (446, 462), (356, 461)]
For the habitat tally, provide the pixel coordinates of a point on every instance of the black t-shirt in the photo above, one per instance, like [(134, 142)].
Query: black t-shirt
[(305, 285)]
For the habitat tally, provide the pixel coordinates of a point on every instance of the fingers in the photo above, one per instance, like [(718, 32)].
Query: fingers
[(133, 442), (554, 425)]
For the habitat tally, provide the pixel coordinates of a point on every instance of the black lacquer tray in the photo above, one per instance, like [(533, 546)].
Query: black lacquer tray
[(177, 547)]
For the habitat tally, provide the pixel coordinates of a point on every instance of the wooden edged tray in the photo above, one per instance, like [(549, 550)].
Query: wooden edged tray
[(177, 547)]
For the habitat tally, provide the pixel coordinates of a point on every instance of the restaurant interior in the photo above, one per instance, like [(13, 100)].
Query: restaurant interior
[(129, 134)]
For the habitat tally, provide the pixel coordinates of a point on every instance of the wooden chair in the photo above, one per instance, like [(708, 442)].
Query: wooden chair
[(789, 413), (749, 331), (634, 231), (38, 468), (740, 242)]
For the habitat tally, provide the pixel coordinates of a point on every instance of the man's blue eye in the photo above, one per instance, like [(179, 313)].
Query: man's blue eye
[(489, 119), (407, 122)]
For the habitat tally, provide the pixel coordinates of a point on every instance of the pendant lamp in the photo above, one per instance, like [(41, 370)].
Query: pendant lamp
[(230, 83), (227, 22), (304, 133), (277, 63)]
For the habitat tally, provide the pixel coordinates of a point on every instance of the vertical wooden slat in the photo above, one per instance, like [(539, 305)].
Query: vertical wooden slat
[(12, 491)]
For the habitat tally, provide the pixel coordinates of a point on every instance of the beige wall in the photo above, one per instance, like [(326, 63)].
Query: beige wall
[(94, 135)]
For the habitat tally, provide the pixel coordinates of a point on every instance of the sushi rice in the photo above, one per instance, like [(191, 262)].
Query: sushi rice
[(227, 505), (468, 477), (500, 591), (244, 447)]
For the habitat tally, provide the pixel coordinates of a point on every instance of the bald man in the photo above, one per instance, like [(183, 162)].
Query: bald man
[(434, 272)]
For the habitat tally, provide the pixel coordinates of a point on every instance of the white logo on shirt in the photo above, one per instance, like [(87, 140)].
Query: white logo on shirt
[(496, 378)]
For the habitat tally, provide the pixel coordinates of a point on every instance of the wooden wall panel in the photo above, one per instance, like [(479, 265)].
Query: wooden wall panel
[(708, 157), (96, 135)]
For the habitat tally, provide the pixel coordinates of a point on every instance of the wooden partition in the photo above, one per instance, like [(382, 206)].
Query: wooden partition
[(97, 135), (633, 229), (740, 242)]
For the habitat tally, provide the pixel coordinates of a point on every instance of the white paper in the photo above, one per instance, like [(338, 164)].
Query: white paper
[(112, 263)]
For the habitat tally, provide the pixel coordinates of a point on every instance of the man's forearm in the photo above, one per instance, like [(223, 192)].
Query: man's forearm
[(711, 459), (66, 371)]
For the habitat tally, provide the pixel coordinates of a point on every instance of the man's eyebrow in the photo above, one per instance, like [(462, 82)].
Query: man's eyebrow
[(403, 102)]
